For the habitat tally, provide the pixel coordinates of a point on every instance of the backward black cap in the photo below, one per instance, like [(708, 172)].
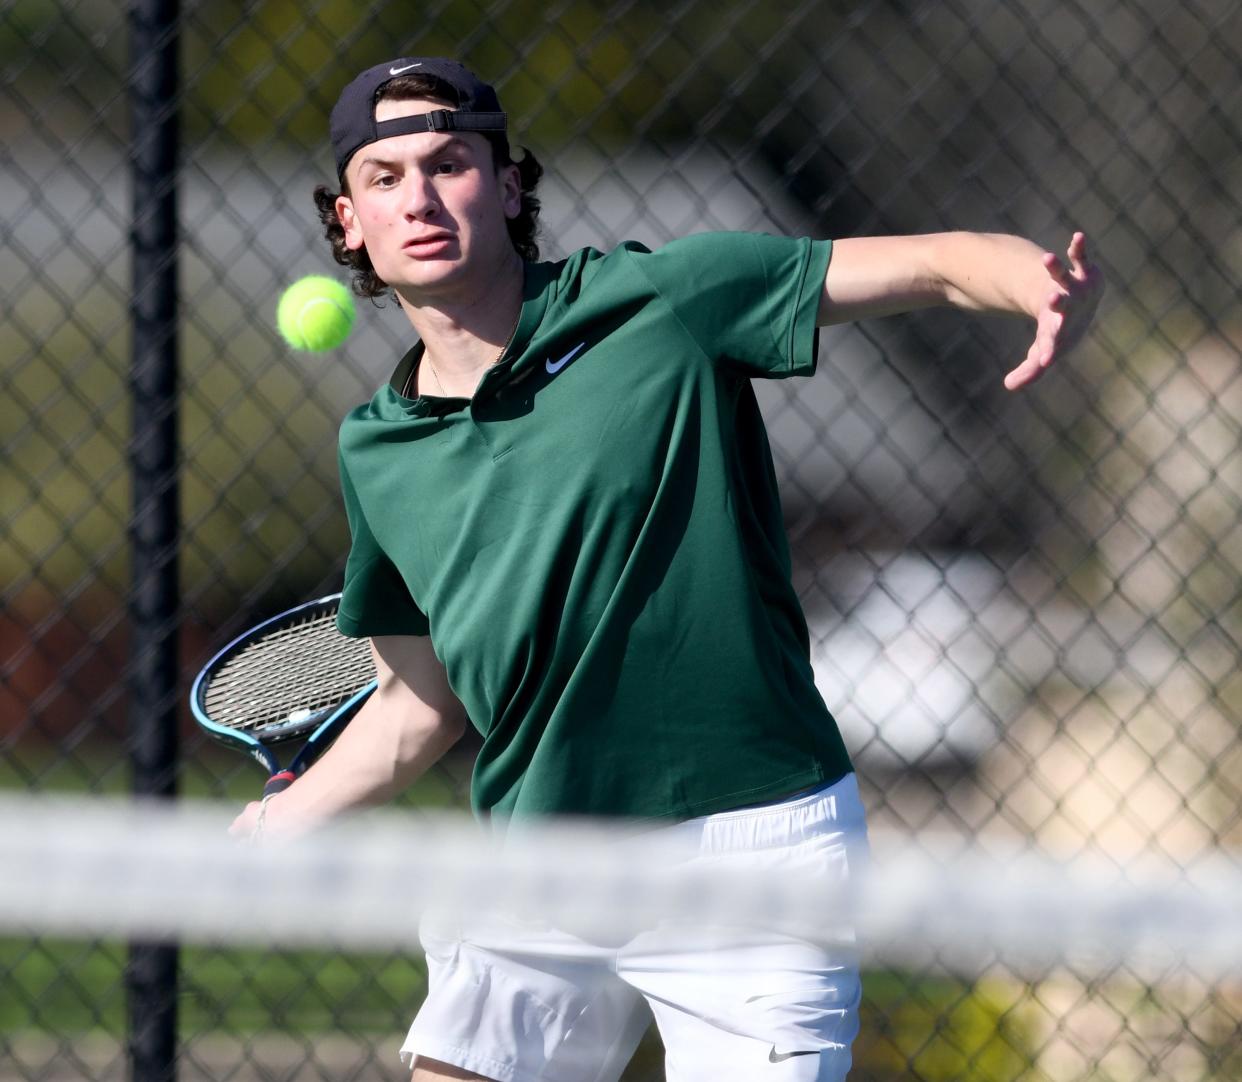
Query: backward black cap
[(353, 124)]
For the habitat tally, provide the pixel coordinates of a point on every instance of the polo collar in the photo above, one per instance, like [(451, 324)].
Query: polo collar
[(536, 281)]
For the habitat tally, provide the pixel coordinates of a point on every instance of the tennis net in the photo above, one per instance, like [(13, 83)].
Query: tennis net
[(1042, 942)]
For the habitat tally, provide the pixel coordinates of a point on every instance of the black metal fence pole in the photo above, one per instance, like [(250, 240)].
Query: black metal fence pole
[(151, 977)]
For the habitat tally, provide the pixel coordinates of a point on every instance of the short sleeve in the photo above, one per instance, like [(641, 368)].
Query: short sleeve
[(375, 599), (750, 300)]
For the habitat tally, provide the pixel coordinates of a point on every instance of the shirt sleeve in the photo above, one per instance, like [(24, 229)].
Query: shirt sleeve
[(375, 599), (749, 300)]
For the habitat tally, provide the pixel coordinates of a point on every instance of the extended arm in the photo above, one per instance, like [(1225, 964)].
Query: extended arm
[(410, 721), (981, 272)]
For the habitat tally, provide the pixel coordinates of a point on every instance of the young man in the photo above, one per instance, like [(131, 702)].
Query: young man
[(566, 531)]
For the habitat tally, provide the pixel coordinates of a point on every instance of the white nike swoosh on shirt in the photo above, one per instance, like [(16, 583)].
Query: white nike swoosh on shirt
[(408, 67), (554, 368)]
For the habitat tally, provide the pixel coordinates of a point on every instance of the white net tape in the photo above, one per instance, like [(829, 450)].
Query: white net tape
[(104, 869)]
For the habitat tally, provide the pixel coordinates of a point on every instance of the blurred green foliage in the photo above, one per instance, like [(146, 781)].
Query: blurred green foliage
[(258, 72), (943, 1030)]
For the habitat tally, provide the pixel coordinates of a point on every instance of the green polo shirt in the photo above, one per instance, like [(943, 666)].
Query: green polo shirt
[(594, 541)]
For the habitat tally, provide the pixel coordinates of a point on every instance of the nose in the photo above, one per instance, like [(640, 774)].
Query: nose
[(421, 202)]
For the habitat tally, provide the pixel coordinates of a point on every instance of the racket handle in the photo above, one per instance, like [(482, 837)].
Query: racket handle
[(278, 783)]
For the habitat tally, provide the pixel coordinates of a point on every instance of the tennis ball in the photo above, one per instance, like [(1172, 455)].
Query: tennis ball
[(315, 313)]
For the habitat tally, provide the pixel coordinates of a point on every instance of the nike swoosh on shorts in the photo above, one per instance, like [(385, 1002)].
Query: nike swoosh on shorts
[(779, 1057)]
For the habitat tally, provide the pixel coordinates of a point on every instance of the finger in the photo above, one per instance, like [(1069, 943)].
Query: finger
[(1031, 368), (1056, 269), (1043, 349), (1080, 263), (243, 825), (1027, 372)]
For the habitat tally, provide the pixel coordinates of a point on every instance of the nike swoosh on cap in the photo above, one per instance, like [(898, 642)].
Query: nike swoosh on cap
[(408, 67), (554, 368), (779, 1057)]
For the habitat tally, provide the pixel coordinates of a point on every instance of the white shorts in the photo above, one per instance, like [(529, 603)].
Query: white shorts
[(767, 1005)]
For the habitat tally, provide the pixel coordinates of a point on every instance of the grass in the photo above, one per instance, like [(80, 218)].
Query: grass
[(67, 987), (946, 1029)]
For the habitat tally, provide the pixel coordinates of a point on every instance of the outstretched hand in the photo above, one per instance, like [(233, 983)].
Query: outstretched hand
[(1064, 315)]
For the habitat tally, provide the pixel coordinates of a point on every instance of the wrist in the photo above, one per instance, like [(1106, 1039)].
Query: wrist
[(260, 822), (283, 815)]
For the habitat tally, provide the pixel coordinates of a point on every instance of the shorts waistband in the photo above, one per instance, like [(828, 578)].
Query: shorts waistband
[(836, 806)]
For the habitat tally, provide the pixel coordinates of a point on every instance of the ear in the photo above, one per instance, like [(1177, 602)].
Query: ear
[(349, 220), (510, 190)]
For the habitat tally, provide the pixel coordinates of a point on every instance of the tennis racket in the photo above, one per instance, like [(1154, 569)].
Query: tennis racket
[(293, 676)]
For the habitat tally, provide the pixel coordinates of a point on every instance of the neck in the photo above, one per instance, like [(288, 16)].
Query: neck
[(461, 339)]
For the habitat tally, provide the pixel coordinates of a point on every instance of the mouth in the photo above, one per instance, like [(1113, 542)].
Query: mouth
[(431, 245)]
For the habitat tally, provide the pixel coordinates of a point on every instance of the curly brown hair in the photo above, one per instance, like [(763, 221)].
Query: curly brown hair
[(522, 229)]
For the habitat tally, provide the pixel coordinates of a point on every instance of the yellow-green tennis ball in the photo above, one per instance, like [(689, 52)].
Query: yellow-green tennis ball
[(315, 313)]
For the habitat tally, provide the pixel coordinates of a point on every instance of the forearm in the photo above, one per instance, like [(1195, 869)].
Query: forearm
[(381, 752), (410, 721), (982, 272), (978, 272), (990, 272)]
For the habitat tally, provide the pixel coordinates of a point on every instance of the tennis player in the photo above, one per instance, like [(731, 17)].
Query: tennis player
[(566, 531)]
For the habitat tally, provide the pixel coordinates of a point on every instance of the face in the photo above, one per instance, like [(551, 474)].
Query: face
[(431, 209)]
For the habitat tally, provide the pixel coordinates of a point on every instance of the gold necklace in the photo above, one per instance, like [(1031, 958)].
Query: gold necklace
[(435, 375), (409, 380)]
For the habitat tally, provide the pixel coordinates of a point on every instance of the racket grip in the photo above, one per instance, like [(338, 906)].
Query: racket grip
[(278, 783)]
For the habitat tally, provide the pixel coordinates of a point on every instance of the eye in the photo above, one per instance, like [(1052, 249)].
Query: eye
[(383, 180)]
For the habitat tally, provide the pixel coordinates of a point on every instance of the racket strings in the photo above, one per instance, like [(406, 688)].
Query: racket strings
[(291, 672)]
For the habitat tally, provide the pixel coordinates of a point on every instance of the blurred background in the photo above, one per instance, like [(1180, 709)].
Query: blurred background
[(1025, 609)]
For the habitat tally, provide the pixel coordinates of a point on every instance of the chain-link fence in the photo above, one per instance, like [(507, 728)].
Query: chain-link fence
[(1025, 609)]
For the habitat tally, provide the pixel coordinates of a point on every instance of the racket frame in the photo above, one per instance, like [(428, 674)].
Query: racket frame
[(322, 734)]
